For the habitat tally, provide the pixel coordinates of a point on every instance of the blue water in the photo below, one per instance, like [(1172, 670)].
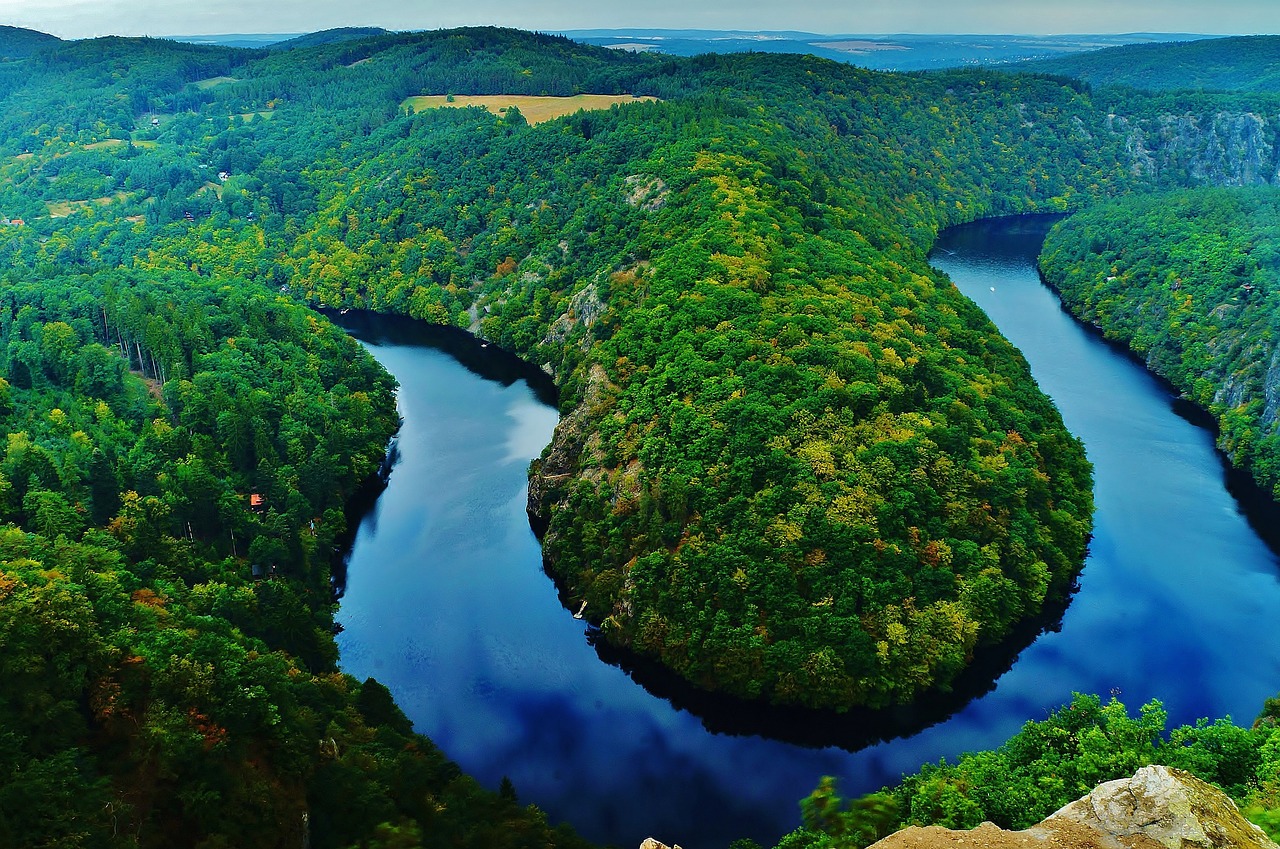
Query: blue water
[(447, 604)]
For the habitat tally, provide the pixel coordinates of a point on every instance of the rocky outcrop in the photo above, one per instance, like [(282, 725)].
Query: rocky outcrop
[(646, 191), (650, 843), (585, 308), (551, 473), (1222, 149), (1158, 808)]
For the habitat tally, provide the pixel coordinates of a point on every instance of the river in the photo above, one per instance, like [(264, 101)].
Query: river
[(447, 604)]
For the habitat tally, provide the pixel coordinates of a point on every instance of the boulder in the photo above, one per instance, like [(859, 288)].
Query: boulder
[(650, 843), (1170, 808)]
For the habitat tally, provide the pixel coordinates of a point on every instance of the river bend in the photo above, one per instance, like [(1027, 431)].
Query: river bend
[(447, 604)]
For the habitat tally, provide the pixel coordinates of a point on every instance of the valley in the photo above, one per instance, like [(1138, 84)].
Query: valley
[(793, 466)]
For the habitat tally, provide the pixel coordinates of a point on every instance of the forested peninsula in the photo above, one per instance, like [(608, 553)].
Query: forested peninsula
[(794, 463)]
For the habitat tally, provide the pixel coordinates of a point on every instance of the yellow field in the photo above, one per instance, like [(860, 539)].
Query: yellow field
[(106, 144), (535, 109)]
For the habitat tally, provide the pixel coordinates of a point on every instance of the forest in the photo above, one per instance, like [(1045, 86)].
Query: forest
[(794, 463)]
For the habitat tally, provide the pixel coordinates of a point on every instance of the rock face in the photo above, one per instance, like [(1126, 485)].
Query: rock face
[(1158, 808), (1223, 149), (650, 843)]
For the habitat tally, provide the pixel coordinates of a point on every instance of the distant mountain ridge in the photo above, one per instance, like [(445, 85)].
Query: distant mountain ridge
[(249, 40), (330, 36), (1243, 63), (897, 51), (283, 41), (1063, 54)]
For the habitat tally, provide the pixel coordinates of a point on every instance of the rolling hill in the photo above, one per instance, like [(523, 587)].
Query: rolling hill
[(1246, 64)]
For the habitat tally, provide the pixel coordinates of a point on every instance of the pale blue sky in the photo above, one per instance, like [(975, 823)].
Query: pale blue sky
[(84, 18)]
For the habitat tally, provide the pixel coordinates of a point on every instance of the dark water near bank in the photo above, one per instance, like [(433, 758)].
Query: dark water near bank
[(447, 604)]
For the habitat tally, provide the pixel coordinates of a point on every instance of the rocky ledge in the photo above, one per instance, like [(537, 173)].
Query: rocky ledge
[(1158, 808)]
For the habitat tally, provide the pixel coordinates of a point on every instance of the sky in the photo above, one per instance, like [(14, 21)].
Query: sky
[(88, 18)]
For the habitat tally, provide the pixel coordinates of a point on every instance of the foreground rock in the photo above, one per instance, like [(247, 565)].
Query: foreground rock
[(1158, 808), (650, 843)]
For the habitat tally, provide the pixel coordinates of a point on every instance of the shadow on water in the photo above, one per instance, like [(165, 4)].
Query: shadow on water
[(481, 358), (852, 730), (1256, 503), (357, 508)]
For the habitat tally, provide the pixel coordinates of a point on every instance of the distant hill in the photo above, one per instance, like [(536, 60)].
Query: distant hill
[(249, 40), (18, 43), (896, 52), (1249, 63), (330, 36)]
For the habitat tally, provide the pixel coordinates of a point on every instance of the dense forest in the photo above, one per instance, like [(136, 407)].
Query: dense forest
[(794, 464), (1246, 63)]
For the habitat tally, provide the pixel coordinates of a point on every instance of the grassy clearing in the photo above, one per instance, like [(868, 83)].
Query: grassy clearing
[(106, 144), (64, 208), (214, 82), (534, 108)]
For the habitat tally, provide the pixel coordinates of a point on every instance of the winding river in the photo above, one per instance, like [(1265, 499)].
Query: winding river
[(447, 604)]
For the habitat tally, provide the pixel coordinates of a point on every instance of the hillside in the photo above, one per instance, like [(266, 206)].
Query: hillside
[(1247, 64), (18, 43), (1187, 281), (328, 36), (794, 463)]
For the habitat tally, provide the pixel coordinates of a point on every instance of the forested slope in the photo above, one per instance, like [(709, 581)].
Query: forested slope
[(1250, 63), (181, 447), (794, 463), (153, 686), (1188, 282)]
